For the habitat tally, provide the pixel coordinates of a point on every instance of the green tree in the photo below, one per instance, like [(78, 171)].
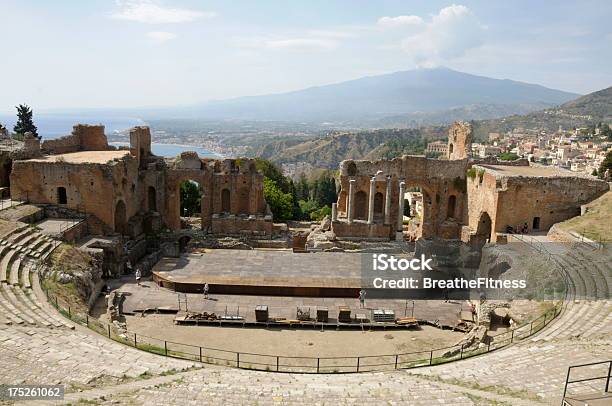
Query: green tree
[(324, 189), (606, 164), (272, 172), (319, 214), (302, 189), (24, 121), (280, 203), (190, 199), (508, 156)]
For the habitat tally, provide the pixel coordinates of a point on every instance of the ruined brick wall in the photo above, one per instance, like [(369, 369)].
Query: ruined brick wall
[(459, 140), (438, 179), (90, 188), (236, 181), (84, 137), (140, 144), (516, 200)]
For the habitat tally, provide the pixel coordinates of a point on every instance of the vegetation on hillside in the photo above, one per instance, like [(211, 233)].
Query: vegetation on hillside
[(305, 199), (329, 151)]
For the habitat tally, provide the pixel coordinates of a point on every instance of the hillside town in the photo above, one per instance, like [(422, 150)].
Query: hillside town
[(579, 150)]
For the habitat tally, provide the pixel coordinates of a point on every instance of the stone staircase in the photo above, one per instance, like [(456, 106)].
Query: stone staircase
[(22, 300)]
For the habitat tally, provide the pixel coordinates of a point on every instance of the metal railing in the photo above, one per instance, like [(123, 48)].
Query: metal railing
[(569, 381), (302, 364)]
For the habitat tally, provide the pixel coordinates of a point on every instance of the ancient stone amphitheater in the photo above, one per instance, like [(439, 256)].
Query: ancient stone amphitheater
[(40, 346)]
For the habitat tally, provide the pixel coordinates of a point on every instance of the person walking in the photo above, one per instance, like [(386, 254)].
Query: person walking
[(138, 276), (206, 290), (362, 296)]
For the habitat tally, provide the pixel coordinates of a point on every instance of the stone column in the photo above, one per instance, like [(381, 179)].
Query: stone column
[(350, 202), (334, 212), (400, 212), (371, 200), (388, 202)]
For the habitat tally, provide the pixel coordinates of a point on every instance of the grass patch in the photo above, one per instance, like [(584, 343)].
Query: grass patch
[(596, 223)]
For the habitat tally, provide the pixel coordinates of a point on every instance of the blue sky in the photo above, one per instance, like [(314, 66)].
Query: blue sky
[(130, 53)]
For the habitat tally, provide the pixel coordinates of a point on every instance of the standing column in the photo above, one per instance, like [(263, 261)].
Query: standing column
[(371, 200), (400, 212), (388, 202), (350, 199), (334, 211)]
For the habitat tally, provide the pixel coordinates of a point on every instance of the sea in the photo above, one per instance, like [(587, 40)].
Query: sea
[(51, 126)]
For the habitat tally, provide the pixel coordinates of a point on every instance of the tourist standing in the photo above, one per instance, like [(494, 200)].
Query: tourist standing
[(206, 290), (362, 295), (138, 276)]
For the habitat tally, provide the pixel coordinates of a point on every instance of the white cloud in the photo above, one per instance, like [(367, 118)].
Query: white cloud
[(289, 44), (161, 36), (399, 21), (448, 35), (152, 12)]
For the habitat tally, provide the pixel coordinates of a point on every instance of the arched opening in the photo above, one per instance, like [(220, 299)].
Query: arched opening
[(243, 201), (378, 203), (62, 196), (152, 199), (5, 174), (191, 204), (450, 209), (120, 218), (484, 227), (536, 223), (361, 205), (351, 169), (450, 148), (225, 201)]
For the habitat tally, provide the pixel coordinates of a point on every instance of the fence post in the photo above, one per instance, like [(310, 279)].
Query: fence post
[(56, 304), (609, 374), (318, 363), (87, 320), (396, 356), (69, 313), (109, 335), (512, 337), (200, 354), (135, 342), (530, 328), (277, 363), (357, 364), (461, 356), (237, 360), (166, 348), (430, 357)]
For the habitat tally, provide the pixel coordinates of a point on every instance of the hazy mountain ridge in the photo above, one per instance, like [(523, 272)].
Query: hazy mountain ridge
[(428, 92), (587, 110)]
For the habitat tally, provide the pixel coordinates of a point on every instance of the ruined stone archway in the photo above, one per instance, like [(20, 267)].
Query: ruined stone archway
[(190, 203), (378, 203), (361, 205), (151, 199), (450, 208), (226, 206), (484, 226), (120, 218)]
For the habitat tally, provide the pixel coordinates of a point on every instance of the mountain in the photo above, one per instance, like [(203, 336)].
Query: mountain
[(366, 100), (588, 110)]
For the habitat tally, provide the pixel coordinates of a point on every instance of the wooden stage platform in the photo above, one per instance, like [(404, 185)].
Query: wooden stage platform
[(263, 272)]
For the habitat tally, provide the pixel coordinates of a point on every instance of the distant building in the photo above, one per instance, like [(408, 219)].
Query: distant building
[(438, 147)]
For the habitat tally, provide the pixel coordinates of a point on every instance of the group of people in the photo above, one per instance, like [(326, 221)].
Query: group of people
[(524, 229)]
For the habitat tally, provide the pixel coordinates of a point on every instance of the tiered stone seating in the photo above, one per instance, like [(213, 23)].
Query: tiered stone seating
[(20, 252)]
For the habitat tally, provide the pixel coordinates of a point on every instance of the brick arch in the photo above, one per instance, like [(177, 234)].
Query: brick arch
[(173, 195)]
